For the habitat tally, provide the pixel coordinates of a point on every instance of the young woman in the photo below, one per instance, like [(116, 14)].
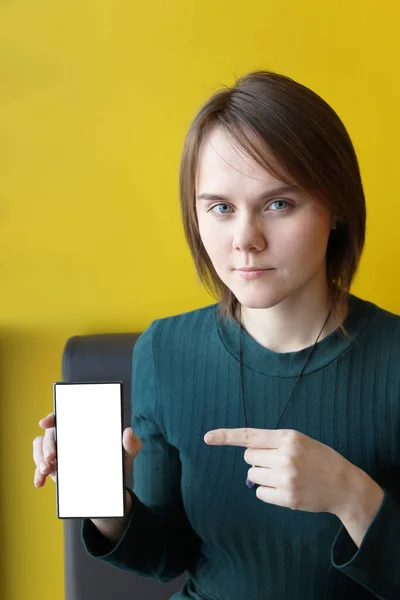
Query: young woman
[(265, 427)]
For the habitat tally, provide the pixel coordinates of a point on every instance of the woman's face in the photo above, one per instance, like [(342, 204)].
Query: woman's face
[(248, 218)]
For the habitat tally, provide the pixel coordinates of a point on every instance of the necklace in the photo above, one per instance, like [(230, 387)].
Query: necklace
[(249, 483)]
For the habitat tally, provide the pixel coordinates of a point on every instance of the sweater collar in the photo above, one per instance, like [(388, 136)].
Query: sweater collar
[(289, 364)]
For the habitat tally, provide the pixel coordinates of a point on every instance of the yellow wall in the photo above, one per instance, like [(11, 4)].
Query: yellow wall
[(95, 99)]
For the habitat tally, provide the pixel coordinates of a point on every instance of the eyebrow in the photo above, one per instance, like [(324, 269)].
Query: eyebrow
[(282, 189)]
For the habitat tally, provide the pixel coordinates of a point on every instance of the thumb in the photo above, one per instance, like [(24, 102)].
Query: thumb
[(132, 446)]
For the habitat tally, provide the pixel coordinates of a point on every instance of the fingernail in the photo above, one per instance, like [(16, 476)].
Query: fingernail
[(210, 438), (249, 483), (43, 467)]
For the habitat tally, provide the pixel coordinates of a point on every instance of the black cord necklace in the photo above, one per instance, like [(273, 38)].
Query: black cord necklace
[(250, 483)]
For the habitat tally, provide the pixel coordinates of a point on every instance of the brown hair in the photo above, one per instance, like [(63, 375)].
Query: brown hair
[(308, 140)]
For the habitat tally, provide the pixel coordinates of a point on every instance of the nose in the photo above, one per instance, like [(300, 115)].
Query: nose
[(248, 235)]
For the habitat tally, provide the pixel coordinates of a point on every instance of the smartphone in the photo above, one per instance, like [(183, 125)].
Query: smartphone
[(90, 477)]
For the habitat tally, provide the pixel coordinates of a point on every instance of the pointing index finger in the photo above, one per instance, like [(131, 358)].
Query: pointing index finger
[(245, 436)]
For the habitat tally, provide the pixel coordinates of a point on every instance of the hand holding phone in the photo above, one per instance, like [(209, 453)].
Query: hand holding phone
[(87, 460)]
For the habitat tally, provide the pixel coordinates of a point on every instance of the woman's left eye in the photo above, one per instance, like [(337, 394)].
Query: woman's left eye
[(280, 202)]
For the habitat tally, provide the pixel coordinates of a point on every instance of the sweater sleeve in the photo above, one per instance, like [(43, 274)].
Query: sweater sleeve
[(158, 541), (376, 563)]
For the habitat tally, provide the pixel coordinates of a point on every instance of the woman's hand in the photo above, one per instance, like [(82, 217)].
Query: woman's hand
[(45, 456), (44, 452), (292, 469)]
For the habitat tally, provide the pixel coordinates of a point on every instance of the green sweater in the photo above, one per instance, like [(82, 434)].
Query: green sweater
[(192, 510)]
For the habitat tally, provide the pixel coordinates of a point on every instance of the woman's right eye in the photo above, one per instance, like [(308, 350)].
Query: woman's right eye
[(219, 205)]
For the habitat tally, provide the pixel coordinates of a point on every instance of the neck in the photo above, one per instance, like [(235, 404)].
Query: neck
[(294, 323)]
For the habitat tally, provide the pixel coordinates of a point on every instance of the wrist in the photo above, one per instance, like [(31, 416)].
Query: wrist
[(113, 528), (362, 498)]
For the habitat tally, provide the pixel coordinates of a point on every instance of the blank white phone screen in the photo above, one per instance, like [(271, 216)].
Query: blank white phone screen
[(89, 450)]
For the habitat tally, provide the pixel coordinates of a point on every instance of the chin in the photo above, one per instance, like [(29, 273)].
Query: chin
[(260, 300)]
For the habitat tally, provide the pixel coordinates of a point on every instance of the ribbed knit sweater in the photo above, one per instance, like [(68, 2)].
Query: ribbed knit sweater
[(192, 510)]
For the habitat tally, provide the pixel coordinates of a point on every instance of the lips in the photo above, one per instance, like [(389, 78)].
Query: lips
[(245, 269), (251, 274)]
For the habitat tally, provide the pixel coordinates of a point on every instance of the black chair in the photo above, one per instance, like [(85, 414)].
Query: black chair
[(103, 357)]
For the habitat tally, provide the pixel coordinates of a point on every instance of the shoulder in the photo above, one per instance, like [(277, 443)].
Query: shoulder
[(384, 322), (178, 331), (387, 330), (381, 337)]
